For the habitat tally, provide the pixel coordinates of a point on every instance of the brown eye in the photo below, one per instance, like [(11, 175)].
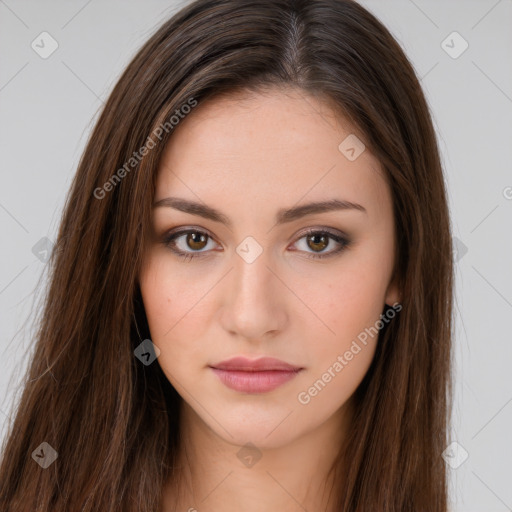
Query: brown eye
[(196, 240), (320, 243), (192, 243), (189, 243), (317, 241)]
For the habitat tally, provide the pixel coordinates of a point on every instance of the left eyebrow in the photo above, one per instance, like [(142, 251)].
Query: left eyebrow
[(283, 215)]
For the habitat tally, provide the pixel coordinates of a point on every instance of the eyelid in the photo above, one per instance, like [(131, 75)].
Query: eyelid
[(322, 229), (337, 236), (170, 236)]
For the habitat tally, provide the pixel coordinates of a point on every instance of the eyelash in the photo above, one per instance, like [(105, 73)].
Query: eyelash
[(169, 242)]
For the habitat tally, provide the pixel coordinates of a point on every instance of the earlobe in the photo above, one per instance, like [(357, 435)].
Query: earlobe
[(393, 295)]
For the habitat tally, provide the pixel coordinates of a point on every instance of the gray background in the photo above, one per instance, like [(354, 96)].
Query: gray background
[(48, 107)]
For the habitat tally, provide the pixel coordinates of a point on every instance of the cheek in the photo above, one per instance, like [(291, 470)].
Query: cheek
[(342, 346), (345, 301), (342, 335), (174, 308), (157, 295)]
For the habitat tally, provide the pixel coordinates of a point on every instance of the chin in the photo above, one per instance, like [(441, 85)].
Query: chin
[(264, 432)]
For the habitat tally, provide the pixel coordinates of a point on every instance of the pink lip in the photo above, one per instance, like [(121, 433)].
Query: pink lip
[(254, 376)]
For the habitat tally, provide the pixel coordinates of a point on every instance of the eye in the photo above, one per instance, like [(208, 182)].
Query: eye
[(182, 241), (192, 243), (319, 240)]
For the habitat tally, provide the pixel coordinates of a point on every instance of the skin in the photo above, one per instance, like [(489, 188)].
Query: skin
[(249, 155)]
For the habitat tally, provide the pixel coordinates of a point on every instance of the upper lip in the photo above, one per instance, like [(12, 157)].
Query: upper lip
[(255, 365)]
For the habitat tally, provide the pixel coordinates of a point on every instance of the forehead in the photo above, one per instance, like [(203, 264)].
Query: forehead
[(268, 149)]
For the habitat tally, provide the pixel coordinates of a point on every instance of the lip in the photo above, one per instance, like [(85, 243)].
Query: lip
[(254, 376), (254, 365)]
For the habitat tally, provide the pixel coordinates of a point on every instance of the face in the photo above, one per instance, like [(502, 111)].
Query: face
[(248, 272)]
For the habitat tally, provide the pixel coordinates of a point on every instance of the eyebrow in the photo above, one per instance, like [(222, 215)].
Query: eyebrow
[(283, 215)]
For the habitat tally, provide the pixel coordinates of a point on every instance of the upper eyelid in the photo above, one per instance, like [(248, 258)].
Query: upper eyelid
[(302, 233)]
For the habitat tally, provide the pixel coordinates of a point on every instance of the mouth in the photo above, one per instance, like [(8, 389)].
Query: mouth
[(254, 376)]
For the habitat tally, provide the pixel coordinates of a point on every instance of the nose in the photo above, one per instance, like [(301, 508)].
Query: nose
[(255, 299)]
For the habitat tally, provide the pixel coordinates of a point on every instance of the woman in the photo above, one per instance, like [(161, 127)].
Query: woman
[(251, 291)]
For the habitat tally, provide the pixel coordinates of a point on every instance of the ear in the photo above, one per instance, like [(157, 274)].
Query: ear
[(392, 293)]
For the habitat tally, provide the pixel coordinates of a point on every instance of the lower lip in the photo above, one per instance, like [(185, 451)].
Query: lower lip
[(254, 382)]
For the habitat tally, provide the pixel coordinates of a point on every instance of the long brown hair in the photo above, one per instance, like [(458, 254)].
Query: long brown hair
[(114, 421)]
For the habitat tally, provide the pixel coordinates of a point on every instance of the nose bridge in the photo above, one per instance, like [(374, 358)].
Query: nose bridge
[(253, 304), (251, 273)]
